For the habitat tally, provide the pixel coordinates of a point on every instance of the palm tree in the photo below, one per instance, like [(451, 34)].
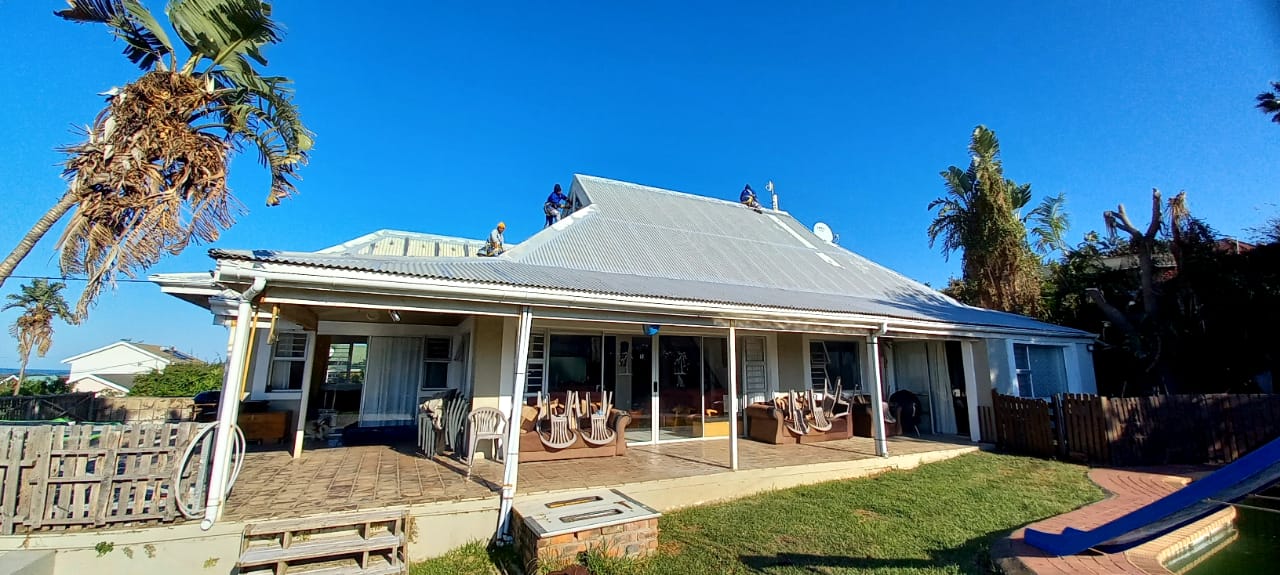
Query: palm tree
[(1269, 102), (151, 175), (980, 216), (40, 302)]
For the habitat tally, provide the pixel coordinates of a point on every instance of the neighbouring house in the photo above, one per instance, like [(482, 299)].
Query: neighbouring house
[(112, 367), (683, 307)]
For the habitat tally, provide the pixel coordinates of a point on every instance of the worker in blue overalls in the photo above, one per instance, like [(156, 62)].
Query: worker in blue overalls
[(748, 198), (554, 206)]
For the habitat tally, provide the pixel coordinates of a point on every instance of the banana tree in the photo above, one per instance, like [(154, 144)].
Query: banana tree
[(150, 176)]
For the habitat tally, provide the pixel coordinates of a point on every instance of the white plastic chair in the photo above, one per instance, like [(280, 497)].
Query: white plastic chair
[(485, 423)]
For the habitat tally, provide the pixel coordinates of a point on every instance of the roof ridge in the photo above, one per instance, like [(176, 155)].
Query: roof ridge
[(667, 191)]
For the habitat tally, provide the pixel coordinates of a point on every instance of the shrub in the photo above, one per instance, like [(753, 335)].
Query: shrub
[(179, 380)]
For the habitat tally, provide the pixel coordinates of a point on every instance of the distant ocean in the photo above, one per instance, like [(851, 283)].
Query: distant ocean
[(9, 370)]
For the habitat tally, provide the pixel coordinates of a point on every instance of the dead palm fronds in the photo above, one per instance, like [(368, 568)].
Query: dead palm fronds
[(151, 176)]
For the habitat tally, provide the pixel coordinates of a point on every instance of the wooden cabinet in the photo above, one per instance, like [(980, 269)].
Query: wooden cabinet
[(265, 426)]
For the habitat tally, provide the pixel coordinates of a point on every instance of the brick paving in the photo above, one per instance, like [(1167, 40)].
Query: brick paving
[(324, 479), (1129, 490)]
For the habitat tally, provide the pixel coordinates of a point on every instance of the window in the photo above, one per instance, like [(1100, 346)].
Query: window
[(829, 360), (573, 363), (435, 363), (1041, 370), (288, 362), (347, 359)]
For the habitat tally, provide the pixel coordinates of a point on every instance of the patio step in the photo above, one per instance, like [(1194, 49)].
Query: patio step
[(365, 543)]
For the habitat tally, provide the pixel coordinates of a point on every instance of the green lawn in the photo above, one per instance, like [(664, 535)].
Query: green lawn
[(939, 518)]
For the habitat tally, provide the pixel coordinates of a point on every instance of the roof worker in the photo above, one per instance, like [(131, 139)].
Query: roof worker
[(554, 206), (748, 198), (494, 246)]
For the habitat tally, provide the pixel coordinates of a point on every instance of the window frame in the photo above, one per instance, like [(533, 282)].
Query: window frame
[(1065, 354), (427, 359), (275, 358)]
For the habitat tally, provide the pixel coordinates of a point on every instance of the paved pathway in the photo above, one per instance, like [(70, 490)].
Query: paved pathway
[(273, 484), (1129, 489)]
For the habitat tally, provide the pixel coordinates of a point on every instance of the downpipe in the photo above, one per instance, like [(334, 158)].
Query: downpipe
[(229, 405)]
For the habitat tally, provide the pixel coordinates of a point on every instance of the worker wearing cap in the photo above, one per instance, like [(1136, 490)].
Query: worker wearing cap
[(495, 245)]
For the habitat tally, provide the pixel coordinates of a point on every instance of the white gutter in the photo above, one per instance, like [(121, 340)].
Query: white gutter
[(229, 404), (234, 270)]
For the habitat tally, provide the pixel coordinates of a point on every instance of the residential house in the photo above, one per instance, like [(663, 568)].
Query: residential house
[(112, 367), (674, 303)]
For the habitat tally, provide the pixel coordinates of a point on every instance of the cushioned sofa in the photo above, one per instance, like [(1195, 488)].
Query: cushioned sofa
[(862, 422), (532, 449), (765, 423)]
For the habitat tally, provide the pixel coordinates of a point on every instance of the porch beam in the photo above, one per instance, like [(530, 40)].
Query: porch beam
[(511, 462), (301, 315), (300, 424), (733, 398), (877, 396), (971, 389)]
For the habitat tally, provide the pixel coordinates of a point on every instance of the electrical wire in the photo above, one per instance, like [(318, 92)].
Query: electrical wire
[(66, 279)]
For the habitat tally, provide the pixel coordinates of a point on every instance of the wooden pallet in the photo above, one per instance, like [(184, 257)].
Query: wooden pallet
[(364, 543)]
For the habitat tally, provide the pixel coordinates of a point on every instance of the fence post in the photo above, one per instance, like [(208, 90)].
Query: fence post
[(1059, 425)]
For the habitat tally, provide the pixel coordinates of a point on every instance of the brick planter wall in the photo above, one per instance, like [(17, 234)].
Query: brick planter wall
[(635, 539)]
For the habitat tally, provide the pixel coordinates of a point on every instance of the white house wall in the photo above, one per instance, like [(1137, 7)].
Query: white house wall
[(119, 359)]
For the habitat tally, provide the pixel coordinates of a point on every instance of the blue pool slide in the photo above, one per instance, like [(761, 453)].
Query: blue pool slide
[(1246, 475)]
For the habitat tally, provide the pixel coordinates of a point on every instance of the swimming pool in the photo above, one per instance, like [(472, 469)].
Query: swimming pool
[(1251, 544)]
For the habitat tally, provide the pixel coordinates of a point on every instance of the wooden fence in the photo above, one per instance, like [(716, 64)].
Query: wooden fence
[(1137, 430), (60, 477), (77, 406), (86, 407)]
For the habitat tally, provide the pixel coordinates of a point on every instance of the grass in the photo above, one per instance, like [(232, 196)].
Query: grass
[(939, 518)]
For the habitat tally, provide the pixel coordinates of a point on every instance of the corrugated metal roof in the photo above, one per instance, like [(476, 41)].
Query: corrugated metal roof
[(640, 241)]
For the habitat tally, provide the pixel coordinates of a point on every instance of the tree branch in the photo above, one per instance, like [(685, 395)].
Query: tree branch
[(1113, 315), (1156, 213)]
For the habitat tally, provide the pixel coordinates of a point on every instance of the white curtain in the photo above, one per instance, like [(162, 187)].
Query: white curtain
[(391, 385), (940, 383)]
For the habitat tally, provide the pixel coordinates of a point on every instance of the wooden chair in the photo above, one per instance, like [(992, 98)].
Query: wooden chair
[(485, 423)]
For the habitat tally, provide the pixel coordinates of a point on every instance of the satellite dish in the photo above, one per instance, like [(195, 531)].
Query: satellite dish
[(823, 231)]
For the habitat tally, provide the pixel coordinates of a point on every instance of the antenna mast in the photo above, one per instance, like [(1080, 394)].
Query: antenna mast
[(769, 188)]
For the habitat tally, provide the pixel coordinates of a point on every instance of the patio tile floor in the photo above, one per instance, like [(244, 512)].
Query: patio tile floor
[(325, 479)]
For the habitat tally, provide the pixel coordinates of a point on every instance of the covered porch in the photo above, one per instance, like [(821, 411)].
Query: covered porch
[(325, 480)]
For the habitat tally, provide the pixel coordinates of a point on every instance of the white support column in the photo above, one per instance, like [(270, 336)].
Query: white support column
[(300, 431), (229, 404), (877, 396), (733, 398), (971, 389), (511, 462)]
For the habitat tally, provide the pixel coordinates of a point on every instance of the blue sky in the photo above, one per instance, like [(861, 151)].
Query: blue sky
[(446, 117)]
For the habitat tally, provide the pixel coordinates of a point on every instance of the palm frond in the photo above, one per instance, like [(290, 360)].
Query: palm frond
[(1050, 222), (1269, 102), (260, 110), (1019, 194), (220, 29), (145, 40)]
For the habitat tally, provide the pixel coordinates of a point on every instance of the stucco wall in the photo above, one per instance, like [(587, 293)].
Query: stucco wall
[(488, 370), (998, 365), (1088, 380), (791, 373)]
